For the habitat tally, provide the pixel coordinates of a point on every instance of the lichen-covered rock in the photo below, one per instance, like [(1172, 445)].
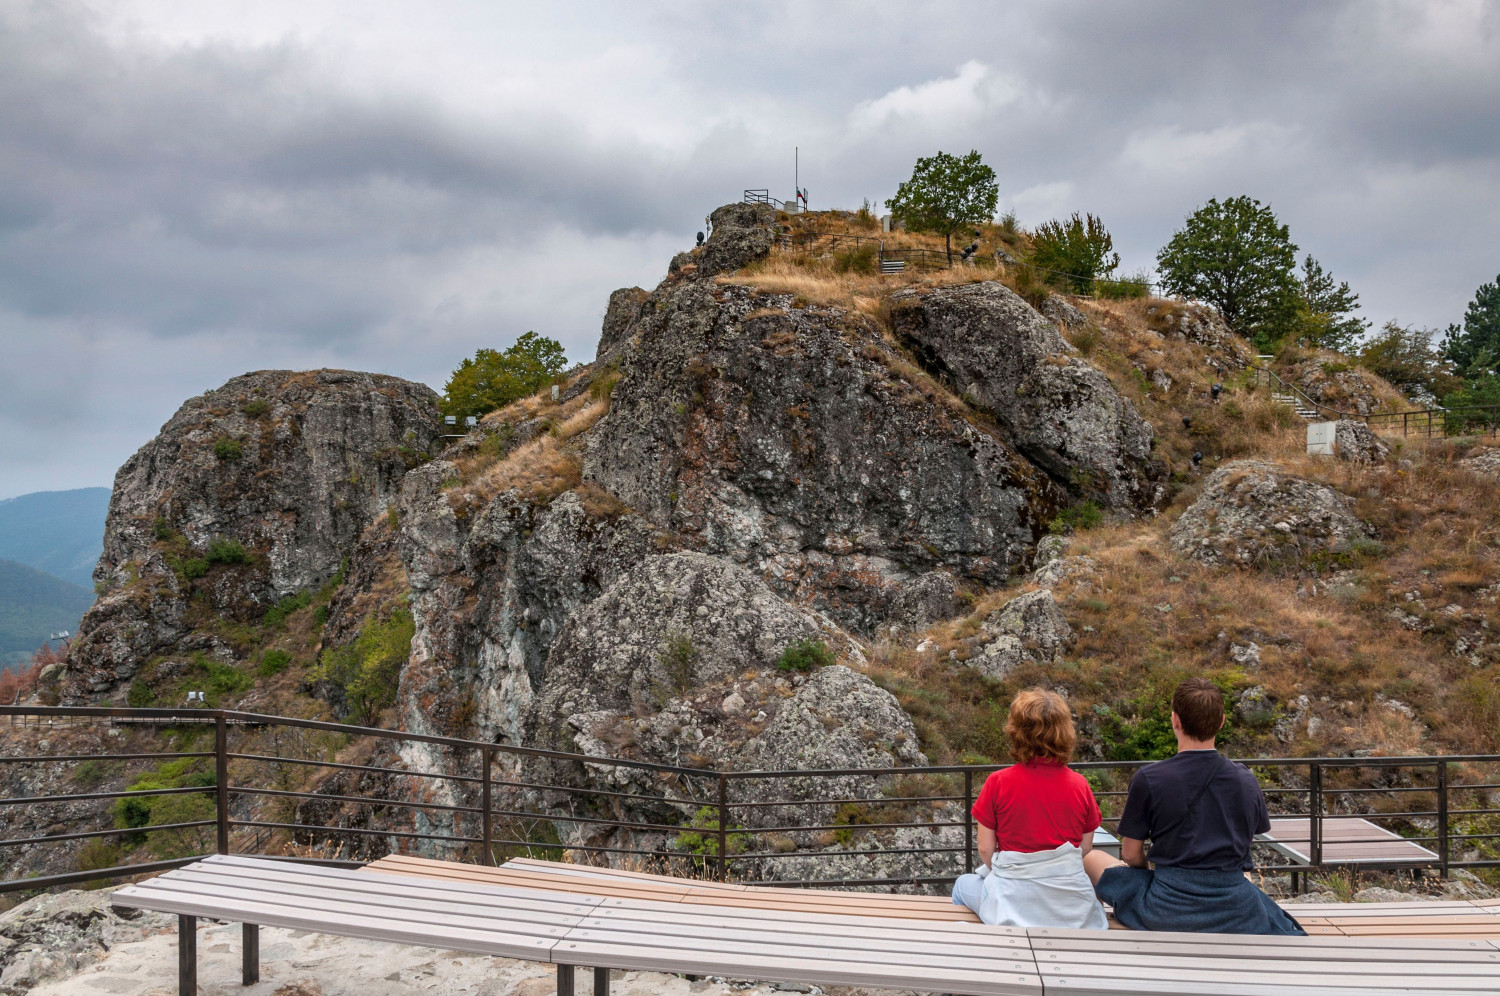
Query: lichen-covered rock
[(283, 469), (1252, 514), (624, 308), (741, 234), (1028, 627), (1353, 441), (1201, 324), (1061, 312), (1064, 414), (797, 442), (55, 935), (1485, 463), (1337, 385)]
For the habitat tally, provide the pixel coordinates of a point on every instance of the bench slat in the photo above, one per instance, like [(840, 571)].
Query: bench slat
[(796, 969)]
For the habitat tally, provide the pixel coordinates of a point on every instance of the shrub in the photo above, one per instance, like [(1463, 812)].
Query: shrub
[(1409, 359), (864, 260), (228, 448), (492, 379), (804, 655), (1076, 252), (256, 407), (1084, 515), (369, 669), (227, 551), (161, 529), (193, 568), (276, 614), (602, 387), (272, 663), (1125, 288), (677, 657), (703, 838)]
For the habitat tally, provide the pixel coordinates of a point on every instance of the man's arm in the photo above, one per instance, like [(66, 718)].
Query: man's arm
[(1133, 852)]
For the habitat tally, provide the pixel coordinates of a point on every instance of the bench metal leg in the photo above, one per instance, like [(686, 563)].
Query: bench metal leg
[(601, 982), (250, 954), (565, 980), (187, 955)]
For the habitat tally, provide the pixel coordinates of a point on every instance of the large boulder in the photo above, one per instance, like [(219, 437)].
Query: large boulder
[(740, 234), (796, 441), (1030, 627), (251, 492), (1354, 441), (1253, 514), (56, 935), (997, 351), (623, 310)]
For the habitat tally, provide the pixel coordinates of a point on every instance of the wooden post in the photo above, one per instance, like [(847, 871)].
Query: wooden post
[(221, 779), (249, 954), (187, 955)]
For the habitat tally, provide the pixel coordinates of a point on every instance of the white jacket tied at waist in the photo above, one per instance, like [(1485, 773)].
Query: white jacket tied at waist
[(1038, 889)]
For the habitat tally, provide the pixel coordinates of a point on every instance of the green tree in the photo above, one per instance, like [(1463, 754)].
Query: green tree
[(1236, 256), (1474, 348), (946, 194), (369, 669), (1408, 358), (1327, 309), (493, 379), (1080, 247)]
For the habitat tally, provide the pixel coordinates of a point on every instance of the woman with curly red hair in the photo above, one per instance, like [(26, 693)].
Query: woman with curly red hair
[(1036, 821)]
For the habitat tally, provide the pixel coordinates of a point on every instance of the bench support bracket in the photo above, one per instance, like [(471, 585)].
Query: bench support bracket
[(187, 955), (250, 954), (601, 982), (565, 980)]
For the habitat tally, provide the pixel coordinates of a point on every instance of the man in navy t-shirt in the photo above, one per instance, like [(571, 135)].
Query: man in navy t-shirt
[(1201, 813)]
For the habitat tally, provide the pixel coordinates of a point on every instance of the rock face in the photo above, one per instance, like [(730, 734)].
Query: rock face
[(1254, 514), (1353, 441), (1485, 463), (56, 935), (623, 311), (283, 470), (1062, 313), (1336, 385), (797, 442), (1067, 418), (1028, 627)]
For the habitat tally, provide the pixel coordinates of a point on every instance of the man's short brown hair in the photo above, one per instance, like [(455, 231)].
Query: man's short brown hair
[(1040, 725), (1199, 706)]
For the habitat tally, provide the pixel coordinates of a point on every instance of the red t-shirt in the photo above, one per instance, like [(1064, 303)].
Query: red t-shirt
[(1037, 806)]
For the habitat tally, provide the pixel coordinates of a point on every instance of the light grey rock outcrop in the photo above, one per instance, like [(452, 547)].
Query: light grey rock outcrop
[(1485, 463), (289, 465), (742, 233), (55, 935), (1028, 627), (1064, 414), (1353, 441), (797, 442), (1253, 514), (1062, 313)]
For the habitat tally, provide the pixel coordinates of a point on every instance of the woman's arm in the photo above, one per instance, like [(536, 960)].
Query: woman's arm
[(1133, 852), (986, 844)]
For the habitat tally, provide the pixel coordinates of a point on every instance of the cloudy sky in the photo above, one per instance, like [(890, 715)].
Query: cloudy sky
[(190, 189)]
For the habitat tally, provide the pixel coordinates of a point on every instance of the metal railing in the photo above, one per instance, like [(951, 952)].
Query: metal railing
[(485, 802), (1469, 421)]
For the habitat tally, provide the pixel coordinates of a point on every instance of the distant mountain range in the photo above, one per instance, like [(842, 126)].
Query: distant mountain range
[(60, 532), (49, 543)]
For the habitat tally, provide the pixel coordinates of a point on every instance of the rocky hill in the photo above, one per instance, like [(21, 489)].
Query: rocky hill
[(801, 514)]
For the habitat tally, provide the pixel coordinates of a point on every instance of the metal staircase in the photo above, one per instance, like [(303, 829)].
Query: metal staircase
[(1296, 404)]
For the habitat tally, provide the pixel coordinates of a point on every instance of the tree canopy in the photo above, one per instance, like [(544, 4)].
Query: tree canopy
[(493, 379), (1409, 358), (1078, 251), (1236, 256), (1474, 347), (1326, 315), (947, 194)]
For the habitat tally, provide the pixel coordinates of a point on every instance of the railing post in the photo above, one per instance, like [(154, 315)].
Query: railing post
[(723, 828), (968, 823), (486, 820), (221, 778), (1315, 815), (1443, 831)]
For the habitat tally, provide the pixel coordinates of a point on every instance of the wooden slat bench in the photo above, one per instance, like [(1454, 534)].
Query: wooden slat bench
[(570, 930)]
